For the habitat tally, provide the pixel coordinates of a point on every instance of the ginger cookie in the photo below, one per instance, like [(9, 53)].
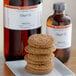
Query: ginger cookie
[(36, 62), (40, 57), (36, 71), (40, 66), (41, 41), (33, 50)]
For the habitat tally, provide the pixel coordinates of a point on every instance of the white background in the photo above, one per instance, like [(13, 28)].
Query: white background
[(47, 10)]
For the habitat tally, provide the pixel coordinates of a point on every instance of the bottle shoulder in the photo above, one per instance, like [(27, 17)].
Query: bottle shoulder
[(60, 19), (24, 2)]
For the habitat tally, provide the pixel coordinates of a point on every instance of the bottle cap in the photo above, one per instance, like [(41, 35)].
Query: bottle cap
[(59, 6)]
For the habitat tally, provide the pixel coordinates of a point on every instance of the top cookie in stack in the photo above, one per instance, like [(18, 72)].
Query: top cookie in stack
[(40, 50), (41, 41)]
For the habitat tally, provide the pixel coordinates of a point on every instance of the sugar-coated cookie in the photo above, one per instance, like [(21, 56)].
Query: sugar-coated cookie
[(35, 71), (33, 50), (41, 41), (40, 66), (40, 57), (35, 62)]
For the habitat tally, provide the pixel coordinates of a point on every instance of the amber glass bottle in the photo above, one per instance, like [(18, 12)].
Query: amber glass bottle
[(22, 18), (59, 25)]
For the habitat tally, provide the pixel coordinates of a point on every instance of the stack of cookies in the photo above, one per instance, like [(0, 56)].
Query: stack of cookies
[(40, 53)]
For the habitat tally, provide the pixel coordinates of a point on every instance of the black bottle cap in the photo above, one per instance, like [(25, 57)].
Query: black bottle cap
[(59, 6)]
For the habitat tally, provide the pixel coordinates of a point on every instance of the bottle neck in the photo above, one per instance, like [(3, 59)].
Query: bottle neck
[(59, 12)]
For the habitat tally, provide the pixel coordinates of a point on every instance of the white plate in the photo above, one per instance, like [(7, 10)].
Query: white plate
[(18, 68)]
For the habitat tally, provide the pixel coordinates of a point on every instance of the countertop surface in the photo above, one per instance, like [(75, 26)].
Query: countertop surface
[(71, 64)]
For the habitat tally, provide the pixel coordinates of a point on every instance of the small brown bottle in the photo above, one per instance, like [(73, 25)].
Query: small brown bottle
[(59, 25)]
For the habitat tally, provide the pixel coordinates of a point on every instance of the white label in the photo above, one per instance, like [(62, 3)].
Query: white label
[(62, 36), (23, 19)]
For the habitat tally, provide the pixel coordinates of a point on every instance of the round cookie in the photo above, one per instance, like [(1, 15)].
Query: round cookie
[(34, 57), (34, 71), (40, 66), (41, 41), (33, 50), (36, 62)]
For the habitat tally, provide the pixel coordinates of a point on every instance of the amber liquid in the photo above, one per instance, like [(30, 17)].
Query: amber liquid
[(16, 40), (57, 19)]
